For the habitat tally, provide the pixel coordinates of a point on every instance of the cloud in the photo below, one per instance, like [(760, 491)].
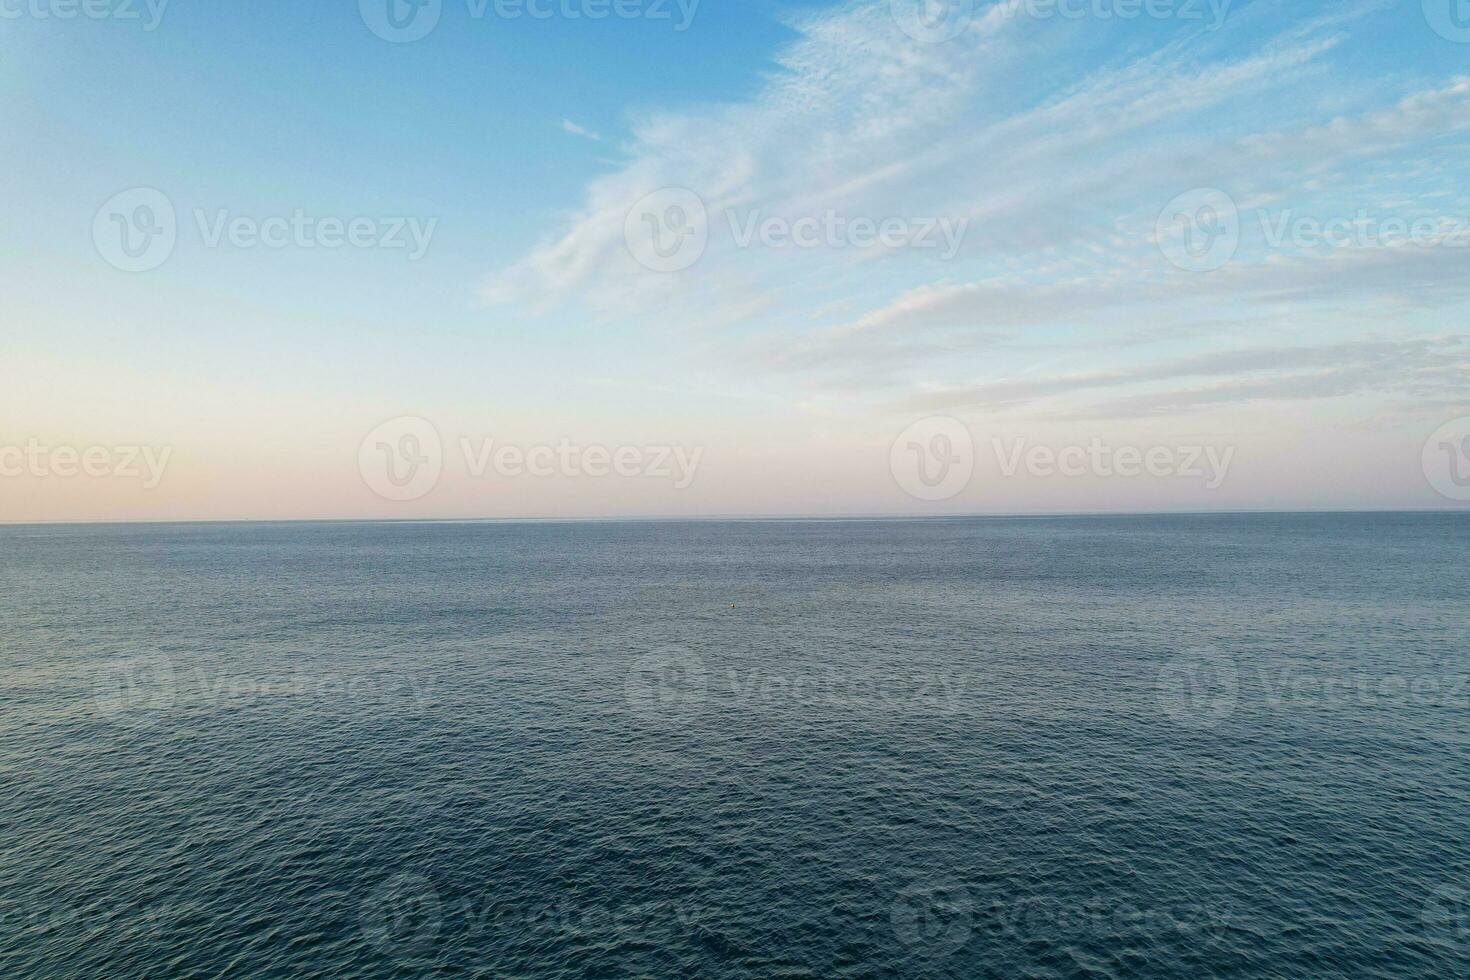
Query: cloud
[(861, 119), (1429, 114), (1436, 366), (1403, 272), (1061, 161), (570, 127)]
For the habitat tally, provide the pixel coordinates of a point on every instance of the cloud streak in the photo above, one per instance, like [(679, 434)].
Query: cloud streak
[(1061, 163), (1439, 366)]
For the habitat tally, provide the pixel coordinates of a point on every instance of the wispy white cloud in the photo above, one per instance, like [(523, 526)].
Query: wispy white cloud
[(1061, 184), (568, 126), (1439, 366), (1403, 273)]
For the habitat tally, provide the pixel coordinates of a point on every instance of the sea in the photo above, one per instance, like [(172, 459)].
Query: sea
[(1145, 746)]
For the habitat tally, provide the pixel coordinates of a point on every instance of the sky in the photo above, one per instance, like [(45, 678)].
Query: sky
[(620, 258)]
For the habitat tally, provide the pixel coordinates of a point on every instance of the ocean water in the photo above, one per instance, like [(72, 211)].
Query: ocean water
[(1103, 747)]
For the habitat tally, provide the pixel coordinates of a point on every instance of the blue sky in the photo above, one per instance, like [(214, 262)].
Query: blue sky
[(1051, 145)]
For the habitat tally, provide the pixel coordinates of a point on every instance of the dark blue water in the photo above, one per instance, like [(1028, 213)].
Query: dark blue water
[(1229, 746)]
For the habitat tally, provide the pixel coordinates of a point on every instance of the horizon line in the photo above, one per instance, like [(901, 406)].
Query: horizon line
[(740, 518)]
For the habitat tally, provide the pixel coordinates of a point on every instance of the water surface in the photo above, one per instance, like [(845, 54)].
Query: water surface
[(1162, 746)]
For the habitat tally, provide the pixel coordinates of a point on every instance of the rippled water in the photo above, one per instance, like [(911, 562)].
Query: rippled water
[(1187, 746)]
